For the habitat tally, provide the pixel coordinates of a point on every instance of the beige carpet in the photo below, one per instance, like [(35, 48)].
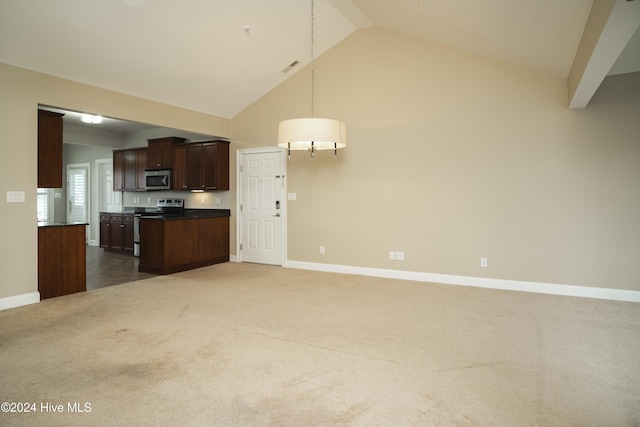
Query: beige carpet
[(250, 345)]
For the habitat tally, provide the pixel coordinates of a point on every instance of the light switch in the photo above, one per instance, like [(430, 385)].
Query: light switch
[(291, 196), (15, 196)]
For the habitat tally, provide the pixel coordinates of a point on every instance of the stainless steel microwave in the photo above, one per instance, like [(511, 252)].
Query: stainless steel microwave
[(157, 179)]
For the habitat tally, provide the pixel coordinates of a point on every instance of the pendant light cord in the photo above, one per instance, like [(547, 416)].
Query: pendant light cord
[(313, 75)]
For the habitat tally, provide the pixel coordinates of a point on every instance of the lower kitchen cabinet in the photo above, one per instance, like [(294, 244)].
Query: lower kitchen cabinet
[(62, 265), (116, 232), (171, 245)]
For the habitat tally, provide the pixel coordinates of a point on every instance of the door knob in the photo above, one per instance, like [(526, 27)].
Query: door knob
[(277, 214)]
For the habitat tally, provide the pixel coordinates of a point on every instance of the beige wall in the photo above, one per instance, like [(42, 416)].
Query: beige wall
[(20, 93), (452, 157)]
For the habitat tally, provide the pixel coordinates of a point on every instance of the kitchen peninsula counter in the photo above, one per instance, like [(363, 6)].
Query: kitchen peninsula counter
[(62, 252), (182, 241), (187, 213), (59, 224)]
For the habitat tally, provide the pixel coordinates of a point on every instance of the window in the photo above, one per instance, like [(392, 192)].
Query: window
[(45, 206)]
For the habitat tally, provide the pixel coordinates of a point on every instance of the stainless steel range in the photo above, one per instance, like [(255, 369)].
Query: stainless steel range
[(163, 207)]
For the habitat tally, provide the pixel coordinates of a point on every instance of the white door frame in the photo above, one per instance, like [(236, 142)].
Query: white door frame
[(98, 198), (239, 154)]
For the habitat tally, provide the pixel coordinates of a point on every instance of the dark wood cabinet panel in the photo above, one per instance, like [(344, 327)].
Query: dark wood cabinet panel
[(61, 260), (193, 154), (118, 170), (165, 250), (105, 231), (49, 149), (207, 165), (216, 165), (179, 167), (160, 152), (117, 235), (128, 169), (127, 230), (210, 167), (141, 166), (116, 232)]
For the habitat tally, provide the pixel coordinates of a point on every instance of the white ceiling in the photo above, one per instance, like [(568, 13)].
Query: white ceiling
[(200, 55)]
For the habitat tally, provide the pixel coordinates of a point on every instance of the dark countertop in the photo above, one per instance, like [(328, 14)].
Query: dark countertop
[(59, 224), (131, 211), (187, 214)]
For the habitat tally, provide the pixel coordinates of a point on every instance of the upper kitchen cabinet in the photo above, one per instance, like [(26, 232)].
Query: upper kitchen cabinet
[(160, 152), (49, 149), (207, 165), (128, 169), (179, 167), (118, 170)]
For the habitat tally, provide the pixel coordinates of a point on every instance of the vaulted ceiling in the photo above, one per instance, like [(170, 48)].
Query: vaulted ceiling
[(219, 56)]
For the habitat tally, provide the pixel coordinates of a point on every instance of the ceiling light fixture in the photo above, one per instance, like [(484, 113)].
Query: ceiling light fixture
[(311, 133), (88, 118)]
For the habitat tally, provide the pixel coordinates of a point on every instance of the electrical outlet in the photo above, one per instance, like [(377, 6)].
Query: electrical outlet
[(321, 250), (483, 262), (399, 256), (392, 255)]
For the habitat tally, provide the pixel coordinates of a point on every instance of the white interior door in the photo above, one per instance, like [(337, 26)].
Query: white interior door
[(262, 207), (108, 200)]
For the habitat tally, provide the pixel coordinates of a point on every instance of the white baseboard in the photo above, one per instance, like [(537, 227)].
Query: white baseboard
[(480, 282), (19, 300)]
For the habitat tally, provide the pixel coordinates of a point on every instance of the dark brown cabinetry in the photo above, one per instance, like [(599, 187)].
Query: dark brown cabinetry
[(118, 170), (49, 149), (196, 165), (207, 165), (128, 169), (160, 152), (141, 165), (169, 246), (61, 260), (179, 167), (116, 231)]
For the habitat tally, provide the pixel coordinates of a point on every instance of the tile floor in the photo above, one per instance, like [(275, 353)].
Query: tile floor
[(106, 268)]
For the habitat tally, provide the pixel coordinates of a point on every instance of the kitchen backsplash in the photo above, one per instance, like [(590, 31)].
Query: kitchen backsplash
[(206, 200)]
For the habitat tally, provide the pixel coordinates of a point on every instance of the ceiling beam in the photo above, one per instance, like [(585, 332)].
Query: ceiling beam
[(610, 26)]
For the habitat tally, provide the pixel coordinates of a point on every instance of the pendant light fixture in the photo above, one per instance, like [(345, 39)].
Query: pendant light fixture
[(312, 134)]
